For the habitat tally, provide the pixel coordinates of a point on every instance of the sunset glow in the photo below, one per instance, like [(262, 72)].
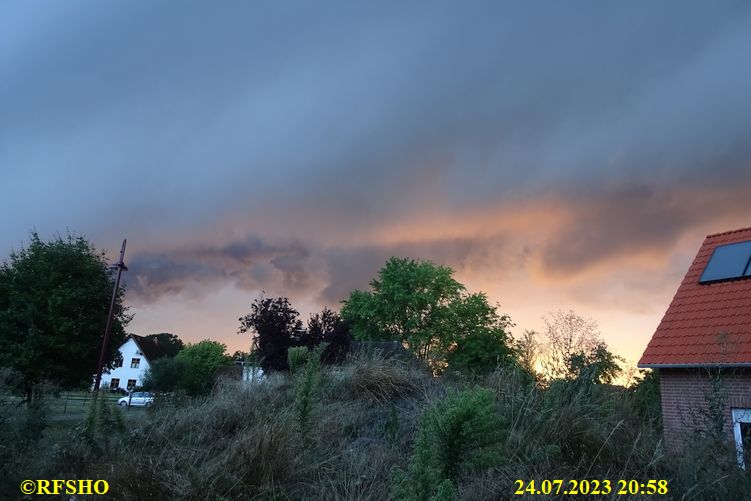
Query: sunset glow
[(560, 158)]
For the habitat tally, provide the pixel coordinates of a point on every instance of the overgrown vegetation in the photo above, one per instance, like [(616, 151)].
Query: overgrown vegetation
[(54, 298), (458, 434), (305, 367), (278, 328), (372, 429), (191, 371), (328, 422), (420, 305)]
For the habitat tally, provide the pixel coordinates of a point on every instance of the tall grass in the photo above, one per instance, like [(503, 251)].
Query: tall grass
[(361, 422)]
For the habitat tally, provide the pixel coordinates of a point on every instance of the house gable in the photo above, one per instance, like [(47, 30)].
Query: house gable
[(708, 324), (702, 347), (137, 352)]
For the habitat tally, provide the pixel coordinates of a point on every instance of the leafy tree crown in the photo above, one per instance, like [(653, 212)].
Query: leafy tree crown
[(54, 300), (421, 305)]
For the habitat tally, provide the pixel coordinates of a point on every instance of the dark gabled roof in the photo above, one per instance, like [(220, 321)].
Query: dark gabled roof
[(149, 346), (706, 324)]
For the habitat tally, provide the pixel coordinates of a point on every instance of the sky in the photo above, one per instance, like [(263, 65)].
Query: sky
[(557, 155)]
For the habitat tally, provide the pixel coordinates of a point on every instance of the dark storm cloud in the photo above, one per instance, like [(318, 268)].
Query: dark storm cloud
[(628, 221), (249, 264), (353, 268), (293, 268), (154, 275), (300, 122)]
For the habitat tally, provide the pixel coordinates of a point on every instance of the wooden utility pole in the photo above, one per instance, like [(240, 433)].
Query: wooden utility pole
[(105, 341)]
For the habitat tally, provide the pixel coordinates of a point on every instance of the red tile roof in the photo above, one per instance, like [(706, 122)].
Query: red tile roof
[(705, 324)]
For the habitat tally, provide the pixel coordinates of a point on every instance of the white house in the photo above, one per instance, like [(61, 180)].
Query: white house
[(136, 354)]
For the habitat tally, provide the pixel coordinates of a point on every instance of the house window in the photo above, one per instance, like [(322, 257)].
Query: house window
[(131, 384), (114, 383), (742, 433), (746, 442), (119, 361), (134, 363)]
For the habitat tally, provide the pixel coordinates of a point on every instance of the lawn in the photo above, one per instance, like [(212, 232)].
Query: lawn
[(74, 406)]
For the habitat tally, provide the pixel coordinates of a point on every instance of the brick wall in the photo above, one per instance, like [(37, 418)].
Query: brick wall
[(693, 399)]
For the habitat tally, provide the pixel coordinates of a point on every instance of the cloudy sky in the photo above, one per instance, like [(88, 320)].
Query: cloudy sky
[(555, 154)]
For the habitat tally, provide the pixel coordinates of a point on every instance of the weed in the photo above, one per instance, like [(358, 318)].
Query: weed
[(458, 434)]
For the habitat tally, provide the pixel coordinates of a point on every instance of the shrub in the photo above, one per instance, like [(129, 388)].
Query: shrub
[(101, 426), (459, 434), (296, 358), (481, 352), (707, 472), (306, 384), (21, 429)]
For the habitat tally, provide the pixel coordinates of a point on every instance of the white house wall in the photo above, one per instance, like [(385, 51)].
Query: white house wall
[(129, 350)]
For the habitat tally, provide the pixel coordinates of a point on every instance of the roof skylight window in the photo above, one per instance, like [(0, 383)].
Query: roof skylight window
[(728, 262)]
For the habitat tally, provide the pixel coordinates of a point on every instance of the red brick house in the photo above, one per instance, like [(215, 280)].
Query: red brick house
[(702, 347)]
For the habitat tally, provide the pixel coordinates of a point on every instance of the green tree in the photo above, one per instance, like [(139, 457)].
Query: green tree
[(646, 394), (598, 365), (329, 328), (275, 322), (422, 306), (192, 370), (166, 374), (54, 299), (460, 434), (279, 328), (198, 363), (481, 352), (171, 343)]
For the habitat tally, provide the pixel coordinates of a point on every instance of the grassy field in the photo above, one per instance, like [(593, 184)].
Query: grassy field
[(375, 430), (77, 402), (73, 406)]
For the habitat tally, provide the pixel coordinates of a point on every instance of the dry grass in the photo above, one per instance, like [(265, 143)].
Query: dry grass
[(371, 377), (246, 443)]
